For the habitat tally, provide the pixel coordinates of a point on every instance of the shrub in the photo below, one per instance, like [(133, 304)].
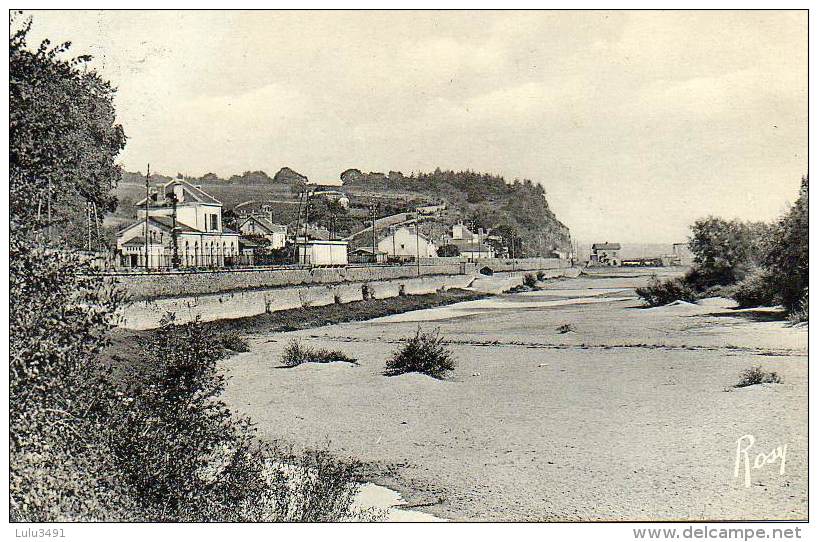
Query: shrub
[(233, 341), (801, 313), (540, 275), (530, 280), (424, 353), (565, 328), (658, 293), (758, 288), (756, 375), (315, 486), (297, 353)]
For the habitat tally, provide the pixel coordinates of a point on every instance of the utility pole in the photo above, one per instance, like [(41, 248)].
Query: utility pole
[(147, 200), (374, 243), (298, 227), (417, 239), (174, 262)]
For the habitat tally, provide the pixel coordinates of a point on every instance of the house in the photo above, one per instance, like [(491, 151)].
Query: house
[(183, 223), (261, 226), (605, 254), (405, 243), (365, 255), (472, 250), (322, 252), (469, 244)]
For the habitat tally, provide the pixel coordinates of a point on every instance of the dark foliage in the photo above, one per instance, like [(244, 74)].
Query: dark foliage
[(658, 293), (757, 289), (530, 280), (62, 137), (448, 251), (424, 353), (787, 258)]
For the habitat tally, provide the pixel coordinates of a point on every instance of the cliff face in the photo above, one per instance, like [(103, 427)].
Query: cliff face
[(517, 210)]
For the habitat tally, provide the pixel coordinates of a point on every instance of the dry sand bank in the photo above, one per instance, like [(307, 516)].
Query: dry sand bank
[(625, 418)]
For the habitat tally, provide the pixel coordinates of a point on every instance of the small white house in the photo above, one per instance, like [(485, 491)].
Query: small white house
[(261, 226), (405, 242), (320, 252)]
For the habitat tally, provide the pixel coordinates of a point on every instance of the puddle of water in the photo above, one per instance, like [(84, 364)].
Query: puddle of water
[(383, 498)]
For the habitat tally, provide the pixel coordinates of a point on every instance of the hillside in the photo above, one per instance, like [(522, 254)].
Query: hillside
[(517, 209)]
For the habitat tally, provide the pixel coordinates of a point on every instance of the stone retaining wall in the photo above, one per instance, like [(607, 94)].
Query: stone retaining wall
[(148, 286), (147, 313)]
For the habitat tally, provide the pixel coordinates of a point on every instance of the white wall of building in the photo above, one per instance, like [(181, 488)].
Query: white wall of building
[(403, 242)]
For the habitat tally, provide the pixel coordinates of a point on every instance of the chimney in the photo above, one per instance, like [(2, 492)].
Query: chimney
[(179, 192)]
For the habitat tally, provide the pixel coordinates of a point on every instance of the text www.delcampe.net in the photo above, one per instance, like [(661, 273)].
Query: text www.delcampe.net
[(718, 533)]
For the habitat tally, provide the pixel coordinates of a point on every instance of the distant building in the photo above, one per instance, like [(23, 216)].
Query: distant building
[(405, 243), (682, 253), (469, 244), (322, 252), (195, 220), (254, 225), (605, 254), (365, 255)]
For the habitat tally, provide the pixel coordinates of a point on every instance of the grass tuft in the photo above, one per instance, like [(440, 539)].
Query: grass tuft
[(756, 375), (297, 353)]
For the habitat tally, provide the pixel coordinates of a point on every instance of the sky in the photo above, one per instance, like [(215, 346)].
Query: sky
[(636, 123)]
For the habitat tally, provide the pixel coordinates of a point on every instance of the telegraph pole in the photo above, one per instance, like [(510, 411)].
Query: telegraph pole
[(147, 199), (374, 243), (417, 239), (174, 241)]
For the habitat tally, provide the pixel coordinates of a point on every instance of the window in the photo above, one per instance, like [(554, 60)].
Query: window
[(214, 222)]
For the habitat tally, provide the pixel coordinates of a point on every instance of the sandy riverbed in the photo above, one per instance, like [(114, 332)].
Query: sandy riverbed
[(626, 418)]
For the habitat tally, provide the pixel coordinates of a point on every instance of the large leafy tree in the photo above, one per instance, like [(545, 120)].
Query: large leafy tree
[(62, 146), (63, 135), (787, 257), (722, 249)]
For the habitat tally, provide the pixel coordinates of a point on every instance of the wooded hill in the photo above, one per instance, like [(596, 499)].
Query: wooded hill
[(519, 209)]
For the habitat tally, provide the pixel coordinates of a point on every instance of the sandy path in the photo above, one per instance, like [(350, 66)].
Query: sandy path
[(625, 418)]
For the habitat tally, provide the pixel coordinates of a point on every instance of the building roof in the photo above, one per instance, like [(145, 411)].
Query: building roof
[(191, 193), (606, 246), (466, 245), (265, 223), (164, 223)]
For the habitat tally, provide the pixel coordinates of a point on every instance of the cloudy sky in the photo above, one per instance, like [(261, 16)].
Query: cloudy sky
[(636, 123)]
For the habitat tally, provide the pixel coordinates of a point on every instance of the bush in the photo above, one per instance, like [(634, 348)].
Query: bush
[(658, 293), (566, 328), (541, 275), (801, 313), (424, 353), (233, 341), (297, 353), (756, 375), (530, 280), (757, 289), (315, 486)]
